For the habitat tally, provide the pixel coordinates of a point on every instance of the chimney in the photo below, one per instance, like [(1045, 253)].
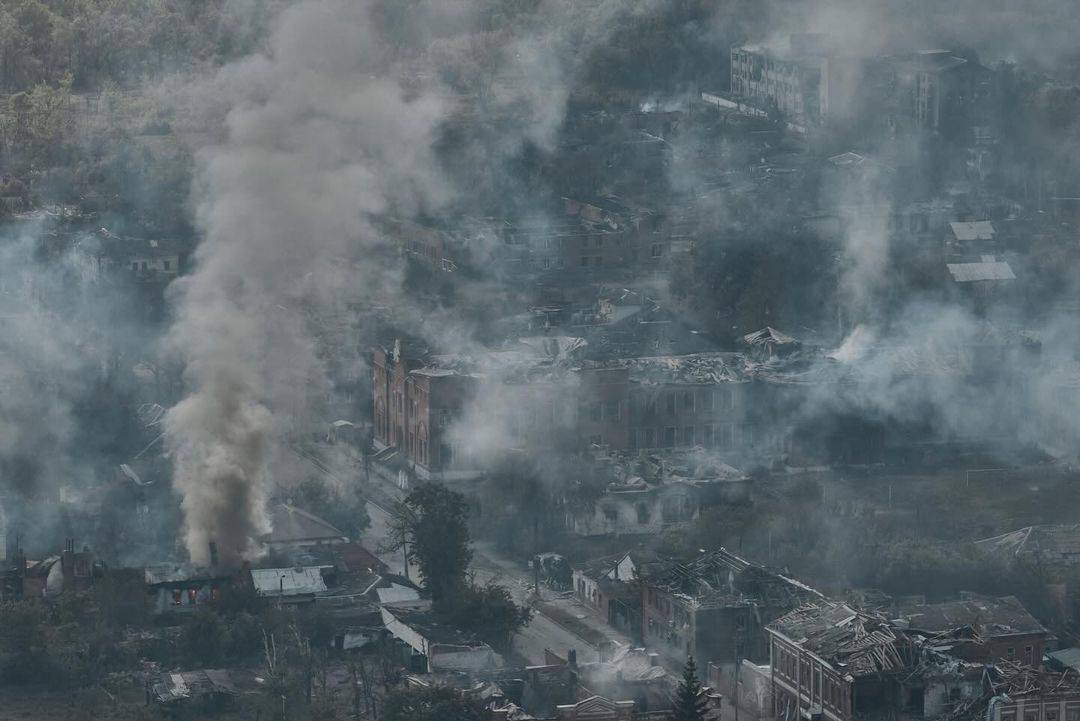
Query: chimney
[(213, 553)]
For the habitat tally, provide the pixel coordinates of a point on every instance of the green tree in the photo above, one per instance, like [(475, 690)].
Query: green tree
[(490, 613), (432, 524), (204, 639), (689, 702), (432, 704)]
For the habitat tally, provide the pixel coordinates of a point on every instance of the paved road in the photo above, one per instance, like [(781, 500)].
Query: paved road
[(541, 633), (488, 565)]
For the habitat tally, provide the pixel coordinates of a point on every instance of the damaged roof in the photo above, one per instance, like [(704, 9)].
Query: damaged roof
[(989, 617), (170, 573), (693, 369), (172, 688), (850, 641), (1058, 544), (720, 578)]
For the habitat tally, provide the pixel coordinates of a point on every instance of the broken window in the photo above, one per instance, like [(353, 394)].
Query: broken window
[(611, 411), (642, 513), (165, 264), (177, 597), (687, 401), (657, 250)]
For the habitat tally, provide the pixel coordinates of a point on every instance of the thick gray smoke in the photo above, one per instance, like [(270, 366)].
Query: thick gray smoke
[(319, 139)]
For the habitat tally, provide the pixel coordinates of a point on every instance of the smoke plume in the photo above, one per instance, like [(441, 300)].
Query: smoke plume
[(318, 140)]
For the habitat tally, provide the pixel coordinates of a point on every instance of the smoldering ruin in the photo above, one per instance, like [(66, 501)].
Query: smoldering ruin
[(547, 359)]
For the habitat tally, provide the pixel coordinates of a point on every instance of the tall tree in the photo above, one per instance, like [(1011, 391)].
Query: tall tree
[(432, 524), (689, 702)]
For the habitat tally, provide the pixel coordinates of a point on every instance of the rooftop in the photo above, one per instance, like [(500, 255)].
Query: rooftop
[(849, 640), (166, 573), (421, 619), (289, 581), (974, 230), (295, 525), (720, 578), (981, 270), (179, 686), (989, 617)]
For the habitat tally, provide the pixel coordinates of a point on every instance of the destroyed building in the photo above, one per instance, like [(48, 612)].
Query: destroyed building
[(435, 645), (645, 494), (715, 608), (979, 629), (831, 660)]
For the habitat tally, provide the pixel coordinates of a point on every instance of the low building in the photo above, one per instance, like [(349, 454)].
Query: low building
[(183, 588), (292, 585), (203, 691), (294, 529), (435, 645), (631, 673), (609, 588)]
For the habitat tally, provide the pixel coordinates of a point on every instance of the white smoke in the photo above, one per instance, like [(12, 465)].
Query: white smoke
[(319, 139)]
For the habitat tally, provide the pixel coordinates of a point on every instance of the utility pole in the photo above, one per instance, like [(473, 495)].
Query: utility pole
[(536, 557)]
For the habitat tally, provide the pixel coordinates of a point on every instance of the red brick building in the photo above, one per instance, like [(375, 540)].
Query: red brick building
[(414, 405), (835, 663)]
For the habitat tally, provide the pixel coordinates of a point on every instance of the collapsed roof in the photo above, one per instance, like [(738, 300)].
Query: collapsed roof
[(988, 617), (720, 578), (850, 641)]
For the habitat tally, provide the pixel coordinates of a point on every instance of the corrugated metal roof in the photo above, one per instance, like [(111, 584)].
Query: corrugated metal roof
[(971, 272), (974, 230), (288, 581)]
